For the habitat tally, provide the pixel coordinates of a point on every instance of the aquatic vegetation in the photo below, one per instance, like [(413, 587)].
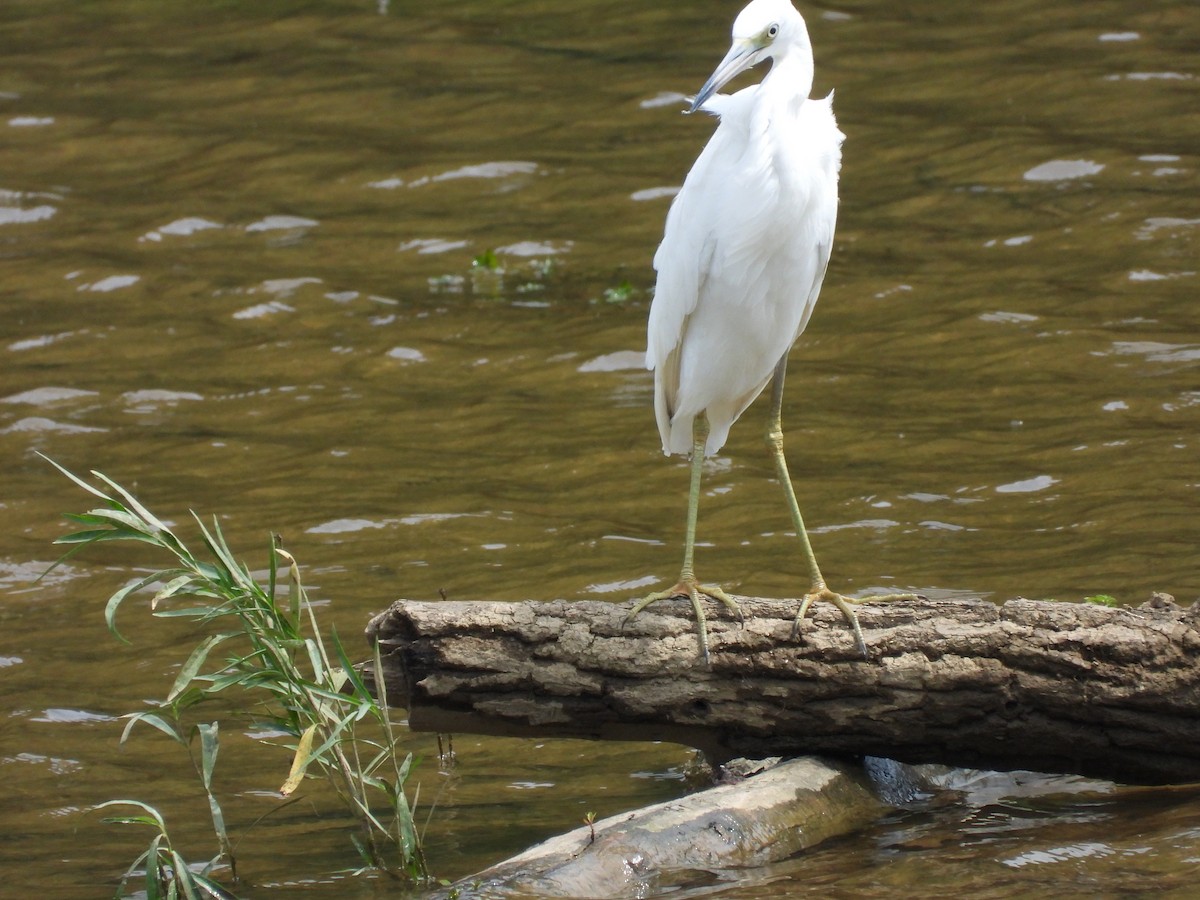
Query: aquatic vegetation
[(164, 872), (488, 273), (274, 658), (619, 293), (487, 260)]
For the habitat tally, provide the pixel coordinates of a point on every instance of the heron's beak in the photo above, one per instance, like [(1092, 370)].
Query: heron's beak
[(741, 56)]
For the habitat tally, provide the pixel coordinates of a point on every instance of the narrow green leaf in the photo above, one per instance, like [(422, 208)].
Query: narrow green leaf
[(95, 517), (129, 820), (75, 478), (150, 810), (210, 745), (134, 868), (104, 531), (194, 662), (362, 851), (211, 888), (218, 819), (154, 868), (188, 698), (121, 518), (62, 559), (316, 658), (110, 608), (330, 742), (218, 683), (360, 689), (155, 721), (215, 541), (211, 572), (145, 514), (273, 568), (191, 612), (171, 588), (183, 876), (295, 588), (380, 686), (402, 772), (80, 539), (378, 783)]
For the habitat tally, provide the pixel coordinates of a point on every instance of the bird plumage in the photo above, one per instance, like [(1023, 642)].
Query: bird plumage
[(747, 239), (740, 266)]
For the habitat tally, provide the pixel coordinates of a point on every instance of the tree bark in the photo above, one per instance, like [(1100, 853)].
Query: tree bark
[(1053, 687)]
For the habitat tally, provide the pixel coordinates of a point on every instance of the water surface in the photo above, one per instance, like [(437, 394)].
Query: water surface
[(236, 247)]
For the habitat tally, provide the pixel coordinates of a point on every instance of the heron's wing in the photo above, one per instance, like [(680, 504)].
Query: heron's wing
[(817, 116), (683, 258), (686, 257)]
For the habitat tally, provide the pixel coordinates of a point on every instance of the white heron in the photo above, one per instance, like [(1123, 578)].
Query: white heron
[(741, 262)]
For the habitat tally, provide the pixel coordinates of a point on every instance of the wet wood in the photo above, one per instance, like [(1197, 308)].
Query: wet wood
[(762, 819), (1053, 687)]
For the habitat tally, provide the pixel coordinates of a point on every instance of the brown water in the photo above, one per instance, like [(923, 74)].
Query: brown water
[(235, 252)]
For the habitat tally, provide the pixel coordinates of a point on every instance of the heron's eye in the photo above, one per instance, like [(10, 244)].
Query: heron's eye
[(773, 30)]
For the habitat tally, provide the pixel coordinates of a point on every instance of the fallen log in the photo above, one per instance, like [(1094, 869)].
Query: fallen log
[(1052, 687), (765, 818)]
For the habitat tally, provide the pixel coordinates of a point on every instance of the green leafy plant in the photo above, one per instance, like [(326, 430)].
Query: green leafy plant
[(620, 293), (1102, 600), (301, 686), (486, 260), (165, 874), (491, 275), (487, 274)]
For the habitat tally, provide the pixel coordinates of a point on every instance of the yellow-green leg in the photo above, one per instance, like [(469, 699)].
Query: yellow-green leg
[(818, 590), (688, 586)]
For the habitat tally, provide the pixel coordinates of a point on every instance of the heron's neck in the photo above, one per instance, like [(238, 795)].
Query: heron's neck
[(791, 75)]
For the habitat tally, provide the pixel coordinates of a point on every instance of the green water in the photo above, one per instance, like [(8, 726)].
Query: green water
[(236, 245)]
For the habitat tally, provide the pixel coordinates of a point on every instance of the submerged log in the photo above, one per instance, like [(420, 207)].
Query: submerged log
[(763, 819), (1052, 687)]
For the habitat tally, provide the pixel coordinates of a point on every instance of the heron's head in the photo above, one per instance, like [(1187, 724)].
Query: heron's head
[(766, 29)]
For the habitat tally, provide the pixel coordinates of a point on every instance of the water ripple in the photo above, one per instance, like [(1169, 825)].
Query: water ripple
[(45, 396), (41, 425), (1063, 170), (15, 215)]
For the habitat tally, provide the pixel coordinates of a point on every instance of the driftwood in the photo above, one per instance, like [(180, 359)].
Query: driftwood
[(763, 819), (1053, 687)]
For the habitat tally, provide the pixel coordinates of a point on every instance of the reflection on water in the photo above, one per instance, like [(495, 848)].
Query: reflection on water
[(1003, 836), (377, 279)]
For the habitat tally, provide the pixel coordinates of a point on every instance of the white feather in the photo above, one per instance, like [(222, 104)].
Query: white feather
[(746, 242)]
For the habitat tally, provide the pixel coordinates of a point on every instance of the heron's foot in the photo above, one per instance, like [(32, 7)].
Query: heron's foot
[(844, 604), (688, 587)]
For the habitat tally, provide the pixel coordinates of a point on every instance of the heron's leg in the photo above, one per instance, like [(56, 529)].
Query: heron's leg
[(688, 586), (818, 590)]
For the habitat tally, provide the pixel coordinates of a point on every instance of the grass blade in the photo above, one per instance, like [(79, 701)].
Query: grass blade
[(194, 662), (110, 608), (156, 818), (75, 478), (171, 588), (155, 721), (210, 745), (132, 502)]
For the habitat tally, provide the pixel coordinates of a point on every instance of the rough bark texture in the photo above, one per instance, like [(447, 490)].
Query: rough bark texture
[(766, 818), (1054, 687)]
